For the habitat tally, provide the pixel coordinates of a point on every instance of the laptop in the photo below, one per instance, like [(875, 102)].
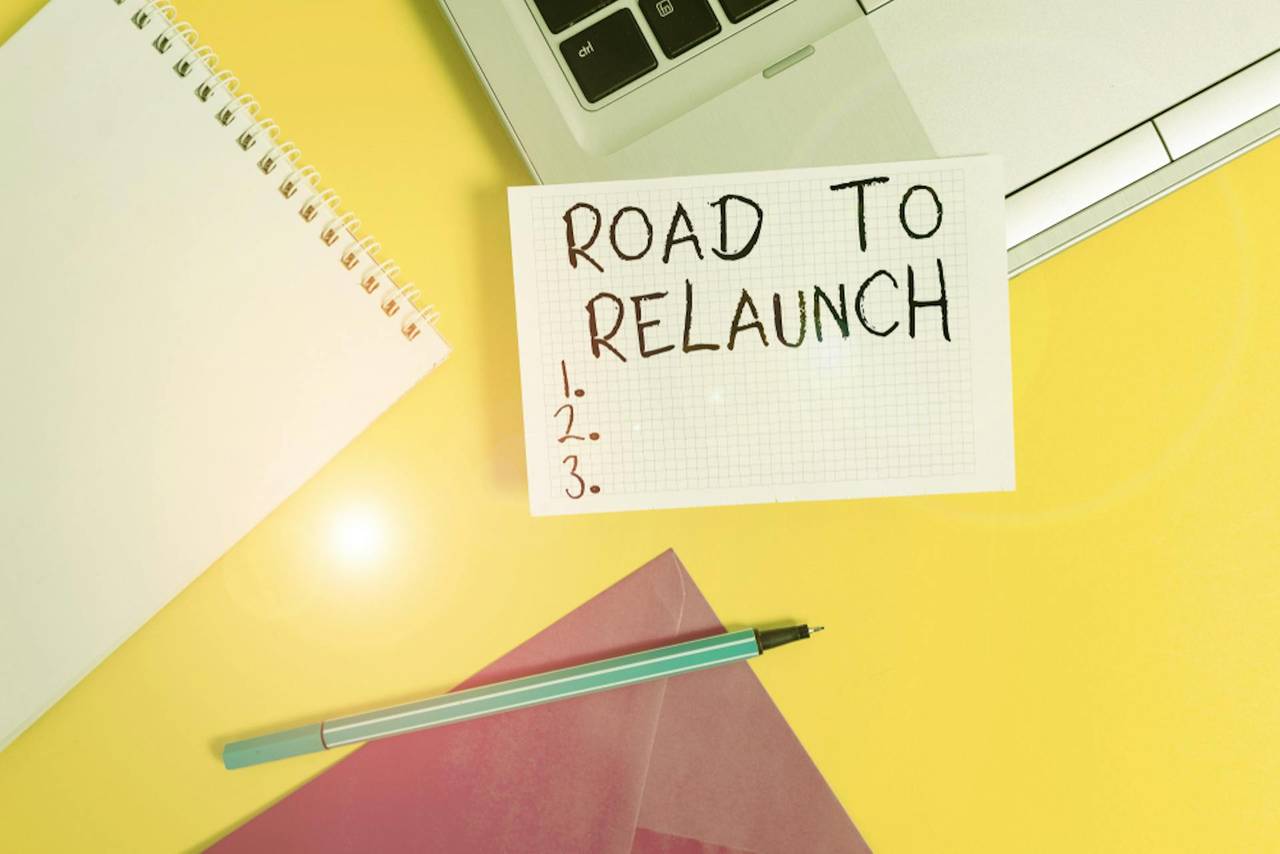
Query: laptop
[(1097, 109)]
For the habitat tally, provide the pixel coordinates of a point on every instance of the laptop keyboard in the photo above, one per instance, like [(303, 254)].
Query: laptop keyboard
[(740, 10), (616, 51), (679, 27), (608, 55), (560, 15)]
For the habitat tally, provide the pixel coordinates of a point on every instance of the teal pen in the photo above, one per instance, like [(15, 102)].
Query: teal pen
[(514, 694)]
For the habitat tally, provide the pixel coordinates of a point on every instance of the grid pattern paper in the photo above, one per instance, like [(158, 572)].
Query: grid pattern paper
[(841, 402)]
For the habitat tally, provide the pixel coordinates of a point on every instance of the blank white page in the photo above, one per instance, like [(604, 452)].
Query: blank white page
[(179, 350), (770, 356)]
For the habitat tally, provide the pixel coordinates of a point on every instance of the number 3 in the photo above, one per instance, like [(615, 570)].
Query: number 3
[(572, 459)]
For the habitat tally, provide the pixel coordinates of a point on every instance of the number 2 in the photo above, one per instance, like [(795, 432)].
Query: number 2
[(568, 429)]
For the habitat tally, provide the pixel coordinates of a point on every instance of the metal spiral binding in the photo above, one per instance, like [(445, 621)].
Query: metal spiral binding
[(378, 277)]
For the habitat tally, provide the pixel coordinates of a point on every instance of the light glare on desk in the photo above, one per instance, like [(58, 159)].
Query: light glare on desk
[(359, 536)]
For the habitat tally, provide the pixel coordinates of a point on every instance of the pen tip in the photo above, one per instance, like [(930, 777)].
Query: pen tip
[(813, 630)]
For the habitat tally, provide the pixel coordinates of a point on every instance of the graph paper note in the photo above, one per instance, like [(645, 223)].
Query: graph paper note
[(840, 332)]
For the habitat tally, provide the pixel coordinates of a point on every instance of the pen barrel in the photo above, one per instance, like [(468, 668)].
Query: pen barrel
[(544, 688)]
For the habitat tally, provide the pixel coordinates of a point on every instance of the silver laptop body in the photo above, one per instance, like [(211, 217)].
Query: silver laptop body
[(1097, 108)]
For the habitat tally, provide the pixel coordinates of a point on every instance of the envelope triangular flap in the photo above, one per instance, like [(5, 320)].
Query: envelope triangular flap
[(728, 771)]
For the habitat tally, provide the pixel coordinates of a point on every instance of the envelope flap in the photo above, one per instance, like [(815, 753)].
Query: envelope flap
[(726, 769)]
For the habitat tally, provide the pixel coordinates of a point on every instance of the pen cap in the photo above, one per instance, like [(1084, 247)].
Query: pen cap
[(280, 745)]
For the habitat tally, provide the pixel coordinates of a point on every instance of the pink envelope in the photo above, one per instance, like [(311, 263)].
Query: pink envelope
[(697, 764)]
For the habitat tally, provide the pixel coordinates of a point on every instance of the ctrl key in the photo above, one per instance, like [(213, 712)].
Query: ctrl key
[(608, 55)]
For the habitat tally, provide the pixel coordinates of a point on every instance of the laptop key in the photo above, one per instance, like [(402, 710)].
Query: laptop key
[(562, 14), (608, 55), (737, 10), (680, 25)]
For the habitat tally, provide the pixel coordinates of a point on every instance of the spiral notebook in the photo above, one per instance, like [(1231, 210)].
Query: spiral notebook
[(192, 327)]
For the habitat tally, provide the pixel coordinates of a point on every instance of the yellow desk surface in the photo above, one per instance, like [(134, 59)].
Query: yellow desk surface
[(1091, 663)]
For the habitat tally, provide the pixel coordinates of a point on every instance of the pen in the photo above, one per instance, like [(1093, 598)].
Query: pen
[(513, 694)]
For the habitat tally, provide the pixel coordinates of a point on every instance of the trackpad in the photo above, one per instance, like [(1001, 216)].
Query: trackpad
[(1042, 82)]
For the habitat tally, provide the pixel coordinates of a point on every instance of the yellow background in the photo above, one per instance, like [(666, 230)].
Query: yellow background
[(1088, 664)]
